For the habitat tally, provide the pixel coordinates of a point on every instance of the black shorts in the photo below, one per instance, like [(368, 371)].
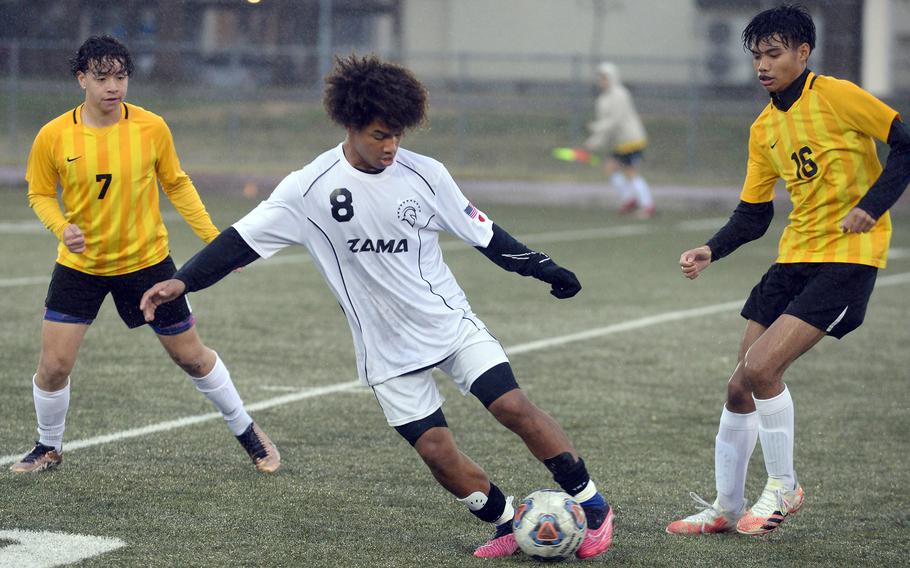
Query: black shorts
[(830, 296), (76, 297), (630, 159)]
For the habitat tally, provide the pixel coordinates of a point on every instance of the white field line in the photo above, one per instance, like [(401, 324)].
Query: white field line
[(45, 549), (278, 388), (548, 237), (713, 223), (25, 281), (297, 389), (624, 326), (893, 279), (190, 420), (22, 228), (597, 332), (34, 227)]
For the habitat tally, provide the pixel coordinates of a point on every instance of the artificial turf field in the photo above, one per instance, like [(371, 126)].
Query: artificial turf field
[(634, 369)]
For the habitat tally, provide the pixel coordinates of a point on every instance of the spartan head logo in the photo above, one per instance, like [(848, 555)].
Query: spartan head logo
[(407, 211)]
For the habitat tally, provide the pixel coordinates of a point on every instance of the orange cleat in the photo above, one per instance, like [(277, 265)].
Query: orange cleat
[(711, 520), (774, 505)]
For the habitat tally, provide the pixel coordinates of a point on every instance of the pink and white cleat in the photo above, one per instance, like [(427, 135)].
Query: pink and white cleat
[(502, 544), (598, 540)]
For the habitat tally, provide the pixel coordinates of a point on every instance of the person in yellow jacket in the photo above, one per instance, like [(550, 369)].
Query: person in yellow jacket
[(617, 129), (108, 156)]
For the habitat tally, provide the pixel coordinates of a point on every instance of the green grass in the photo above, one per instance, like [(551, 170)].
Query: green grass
[(483, 136), (641, 406)]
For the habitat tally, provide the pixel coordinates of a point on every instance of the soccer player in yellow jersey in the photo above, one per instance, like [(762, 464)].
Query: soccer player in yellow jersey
[(109, 156), (817, 135)]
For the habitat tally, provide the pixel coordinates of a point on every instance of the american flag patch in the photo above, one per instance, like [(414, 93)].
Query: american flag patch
[(474, 213)]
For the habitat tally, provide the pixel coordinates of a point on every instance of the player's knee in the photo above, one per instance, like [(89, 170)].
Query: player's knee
[(191, 364), (757, 373), (436, 449), (53, 371), (739, 393), (192, 356)]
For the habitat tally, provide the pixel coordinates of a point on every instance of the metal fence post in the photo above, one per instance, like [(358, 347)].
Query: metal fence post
[(577, 93), (692, 123), (324, 40), (462, 125), (235, 99), (13, 102)]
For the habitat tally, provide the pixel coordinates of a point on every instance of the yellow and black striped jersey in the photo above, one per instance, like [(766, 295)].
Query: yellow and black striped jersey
[(823, 148), (109, 179)]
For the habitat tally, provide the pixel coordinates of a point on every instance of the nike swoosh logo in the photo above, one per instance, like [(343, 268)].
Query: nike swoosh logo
[(77, 157)]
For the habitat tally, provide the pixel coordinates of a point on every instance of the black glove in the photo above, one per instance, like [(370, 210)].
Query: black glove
[(564, 283)]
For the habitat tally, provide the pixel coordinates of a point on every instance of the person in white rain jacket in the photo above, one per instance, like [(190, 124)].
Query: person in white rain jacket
[(619, 132)]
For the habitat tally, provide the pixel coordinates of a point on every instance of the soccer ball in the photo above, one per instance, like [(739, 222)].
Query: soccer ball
[(549, 525)]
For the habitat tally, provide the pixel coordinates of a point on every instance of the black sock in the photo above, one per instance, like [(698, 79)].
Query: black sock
[(494, 507), (571, 475)]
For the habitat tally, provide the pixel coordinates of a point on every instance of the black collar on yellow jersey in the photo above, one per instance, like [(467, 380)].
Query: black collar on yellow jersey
[(784, 99), (125, 115)]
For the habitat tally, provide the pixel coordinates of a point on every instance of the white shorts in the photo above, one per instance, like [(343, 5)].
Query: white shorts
[(414, 396)]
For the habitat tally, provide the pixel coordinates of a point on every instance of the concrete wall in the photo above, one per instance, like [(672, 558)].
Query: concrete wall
[(536, 39), (900, 54), (651, 40)]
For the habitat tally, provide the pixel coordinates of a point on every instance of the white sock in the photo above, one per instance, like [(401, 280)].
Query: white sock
[(733, 447), (619, 181), (507, 513), (775, 429), (50, 408), (218, 387), (589, 491), (642, 191)]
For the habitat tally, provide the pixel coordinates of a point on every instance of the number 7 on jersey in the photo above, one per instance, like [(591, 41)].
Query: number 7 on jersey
[(106, 178)]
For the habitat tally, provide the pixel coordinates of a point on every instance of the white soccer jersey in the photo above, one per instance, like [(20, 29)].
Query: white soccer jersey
[(375, 238)]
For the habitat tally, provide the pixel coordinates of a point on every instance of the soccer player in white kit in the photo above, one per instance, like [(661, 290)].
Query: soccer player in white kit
[(370, 214)]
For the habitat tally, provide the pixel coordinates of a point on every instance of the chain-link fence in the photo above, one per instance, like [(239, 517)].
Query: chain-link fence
[(230, 112)]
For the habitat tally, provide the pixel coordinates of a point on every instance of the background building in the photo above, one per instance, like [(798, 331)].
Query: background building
[(289, 41)]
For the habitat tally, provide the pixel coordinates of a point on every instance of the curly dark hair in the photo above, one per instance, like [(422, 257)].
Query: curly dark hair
[(360, 90), (791, 24), (102, 54)]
